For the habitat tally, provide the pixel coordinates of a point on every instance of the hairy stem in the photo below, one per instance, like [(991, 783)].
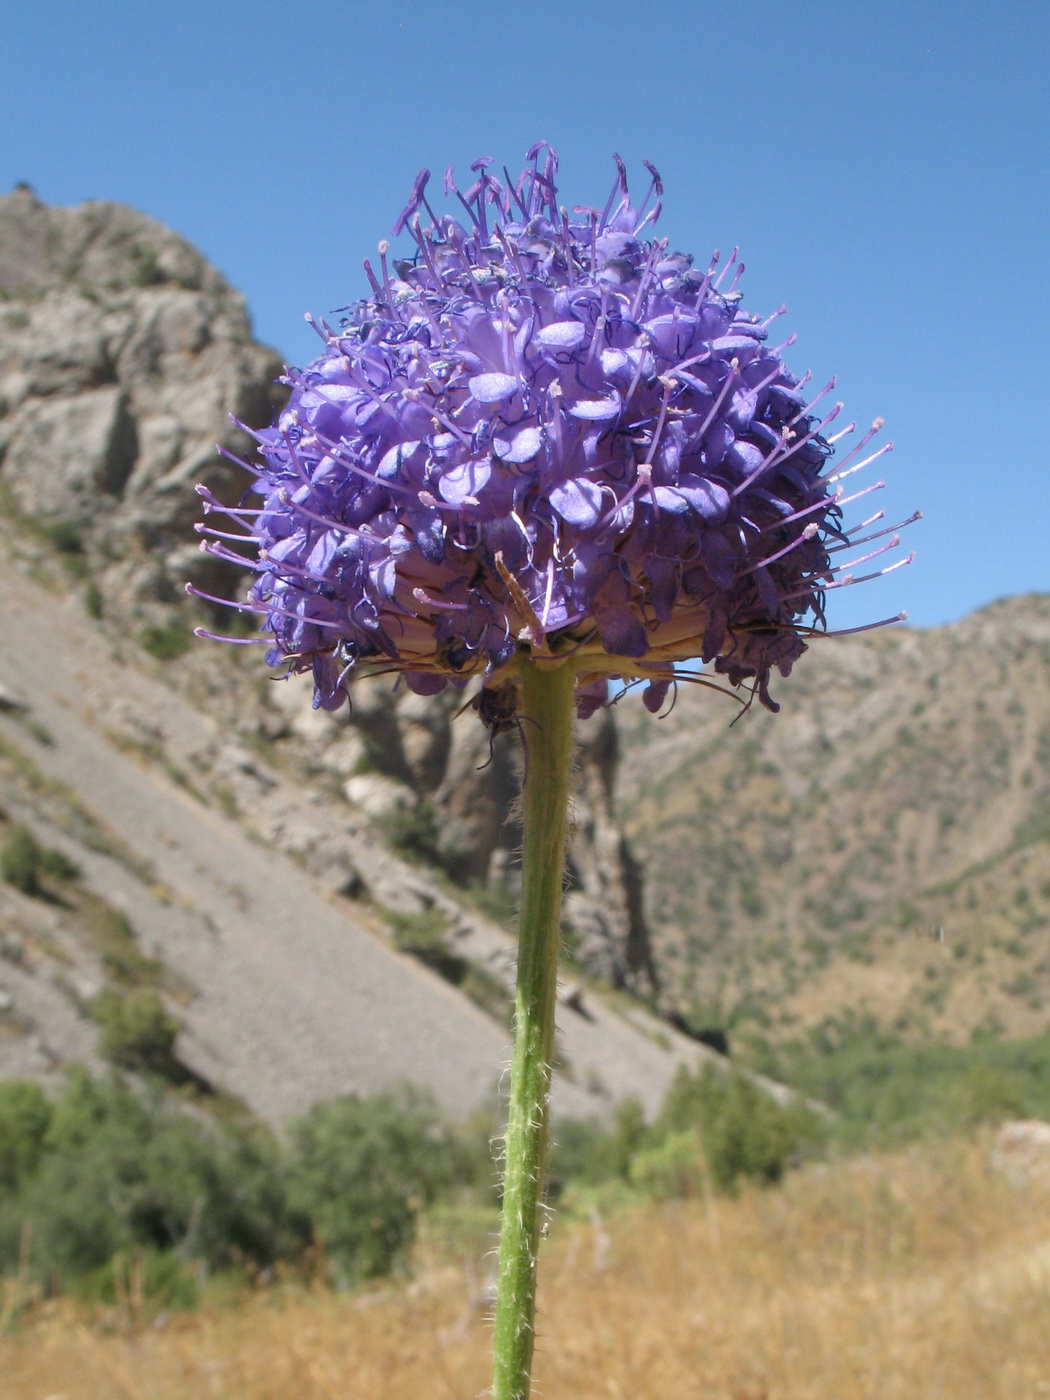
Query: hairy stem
[(547, 713)]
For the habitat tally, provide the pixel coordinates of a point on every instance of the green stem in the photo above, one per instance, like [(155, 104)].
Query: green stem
[(547, 712)]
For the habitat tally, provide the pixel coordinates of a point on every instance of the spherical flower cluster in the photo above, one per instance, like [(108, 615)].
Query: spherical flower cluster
[(544, 436)]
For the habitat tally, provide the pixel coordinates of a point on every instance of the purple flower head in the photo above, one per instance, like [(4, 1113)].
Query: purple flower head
[(545, 437)]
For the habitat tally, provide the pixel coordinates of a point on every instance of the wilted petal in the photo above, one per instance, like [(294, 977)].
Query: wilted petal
[(663, 585), (622, 632), (654, 695), (425, 682)]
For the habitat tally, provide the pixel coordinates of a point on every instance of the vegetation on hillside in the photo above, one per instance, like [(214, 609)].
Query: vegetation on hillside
[(111, 1170), (882, 1277), (883, 841)]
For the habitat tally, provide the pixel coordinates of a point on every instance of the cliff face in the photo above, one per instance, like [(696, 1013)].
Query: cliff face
[(432, 756), (123, 354)]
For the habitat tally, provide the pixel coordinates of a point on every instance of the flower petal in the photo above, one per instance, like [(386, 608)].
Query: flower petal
[(562, 335), (707, 498), (622, 632), (492, 387), (518, 447), (465, 480), (578, 502), (597, 410)]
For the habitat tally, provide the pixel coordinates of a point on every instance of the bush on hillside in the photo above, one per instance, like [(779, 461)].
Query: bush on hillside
[(885, 1091), (136, 1032), (166, 641), (713, 1129), (23, 861), (363, 1169), (25, 1115), (744, 1131), (20, 860), (118, 1173)]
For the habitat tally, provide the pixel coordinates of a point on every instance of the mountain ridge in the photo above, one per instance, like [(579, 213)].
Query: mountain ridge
[(894, 814)]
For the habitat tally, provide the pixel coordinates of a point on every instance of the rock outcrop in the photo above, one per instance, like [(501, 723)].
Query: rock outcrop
[(123, 355)]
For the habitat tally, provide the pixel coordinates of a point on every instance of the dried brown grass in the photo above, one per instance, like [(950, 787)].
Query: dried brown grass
[(918, 1275)]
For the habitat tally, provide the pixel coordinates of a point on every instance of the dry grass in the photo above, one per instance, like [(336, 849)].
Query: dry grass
[(920, 1275)]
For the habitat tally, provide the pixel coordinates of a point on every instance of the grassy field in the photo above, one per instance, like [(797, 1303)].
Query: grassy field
[(920, 1274)]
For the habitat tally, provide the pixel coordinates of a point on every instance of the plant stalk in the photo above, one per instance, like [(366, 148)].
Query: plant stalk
[(547, 715)]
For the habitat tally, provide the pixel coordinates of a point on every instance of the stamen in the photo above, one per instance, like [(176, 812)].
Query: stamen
[(787, 445), (825, 503), (659, 246), (866, 539), (807, 534), (902, 616), (859, 466), (237, 461), (234, 641), (661, 420), (849, 580), (729, 264), (219, 551), (892, 543), (807, 409), (340, 529), (203, 529), (195, 592)]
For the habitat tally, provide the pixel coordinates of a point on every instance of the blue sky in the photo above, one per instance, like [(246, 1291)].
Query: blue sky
[(883, 167)]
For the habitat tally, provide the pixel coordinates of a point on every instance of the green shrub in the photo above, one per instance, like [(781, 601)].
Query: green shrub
[(136, 1032), (424, 934), (119, 1173), (744, 1131), (20, 860), (363, 1169), (93, 600), (414, 832), (147, 269), (23, 861), (166, 642), (675, 1167), (25, 1115), (165, 1280), (587, 1151), (457, 1229), (66, 537), (884, 1090), (57, 865)]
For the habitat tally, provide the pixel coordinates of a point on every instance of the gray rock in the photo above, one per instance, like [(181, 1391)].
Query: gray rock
[(1021, 1151), (378, 796), (65, 456), (10, 700), (123, 354)]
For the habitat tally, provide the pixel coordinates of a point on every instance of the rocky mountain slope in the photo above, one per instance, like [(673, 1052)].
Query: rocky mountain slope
[(882, 845), (270, 862)]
